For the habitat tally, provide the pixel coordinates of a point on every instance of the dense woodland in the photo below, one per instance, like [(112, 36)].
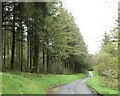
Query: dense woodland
[(41, 37)]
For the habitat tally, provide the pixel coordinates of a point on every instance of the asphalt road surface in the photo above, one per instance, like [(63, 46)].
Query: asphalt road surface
[(76, 87)]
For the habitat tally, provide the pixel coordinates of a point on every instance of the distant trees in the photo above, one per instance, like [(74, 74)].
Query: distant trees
[(41, 37), (106, 61)]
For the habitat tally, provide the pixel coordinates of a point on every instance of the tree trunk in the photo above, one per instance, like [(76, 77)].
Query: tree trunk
[(28, 48), (0, 35), (44, 65), (13, 40), (35, 59), (47, 61), (21, 56), (30, 56), (28, 51), (4, 60)]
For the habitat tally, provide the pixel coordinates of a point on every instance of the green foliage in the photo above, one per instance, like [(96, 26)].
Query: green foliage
[(95, 83), (46, 39), (0, 83), (27, 83), (106, 61)]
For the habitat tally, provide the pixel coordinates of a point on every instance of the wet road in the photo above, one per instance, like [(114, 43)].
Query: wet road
[(76, 87)]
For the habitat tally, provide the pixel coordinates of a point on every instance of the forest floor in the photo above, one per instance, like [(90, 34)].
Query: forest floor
[(76, 87)]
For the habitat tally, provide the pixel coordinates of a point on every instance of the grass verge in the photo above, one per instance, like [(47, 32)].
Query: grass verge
[(27, 83), (95, 83)]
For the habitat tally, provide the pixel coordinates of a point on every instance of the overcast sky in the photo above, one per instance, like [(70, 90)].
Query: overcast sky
[(93, 17)]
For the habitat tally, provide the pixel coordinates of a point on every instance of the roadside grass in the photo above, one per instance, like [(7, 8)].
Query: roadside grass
[(95, 83), (0, 83), (30, 83)]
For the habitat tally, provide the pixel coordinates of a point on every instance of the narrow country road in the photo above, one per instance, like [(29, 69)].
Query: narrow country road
[(76, 87)]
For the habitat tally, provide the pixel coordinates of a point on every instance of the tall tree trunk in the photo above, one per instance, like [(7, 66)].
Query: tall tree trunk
[(30, 56), (44, 65), (47, 50), (22, 33), (28, 52), (35, 59), (47, 61), (28, 48), (36, 52), (4, 50), (13, 40), (8, 49), (55, 62), (1, 35), (4, 60), (21, 56)]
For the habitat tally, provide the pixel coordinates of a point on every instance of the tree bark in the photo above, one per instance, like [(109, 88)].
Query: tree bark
[(13, 40), (1, 35), (44, 65), (35, 59), (28, 52), (30, 56), (21, 56)]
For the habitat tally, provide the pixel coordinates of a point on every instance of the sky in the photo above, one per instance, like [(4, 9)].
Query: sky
[(94, 18)]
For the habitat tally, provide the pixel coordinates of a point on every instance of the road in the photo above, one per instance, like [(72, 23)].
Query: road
[(76, 87)]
